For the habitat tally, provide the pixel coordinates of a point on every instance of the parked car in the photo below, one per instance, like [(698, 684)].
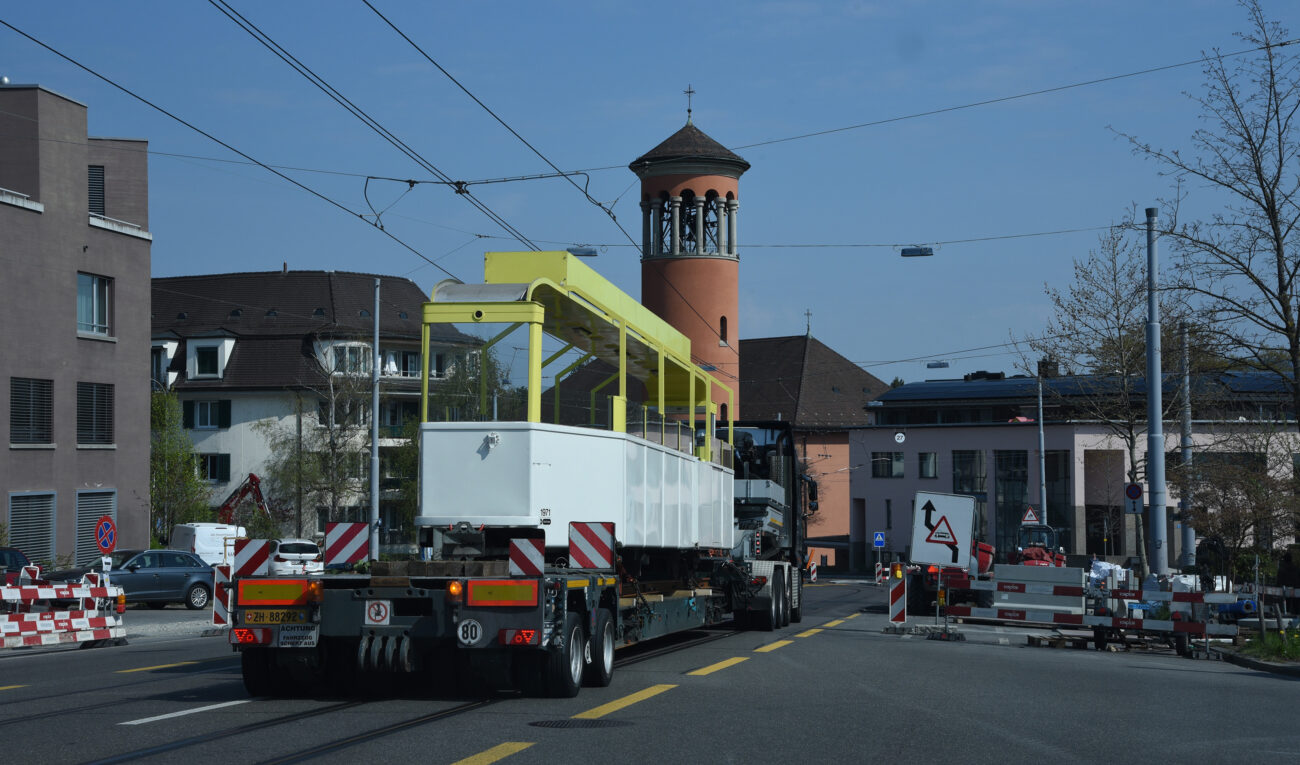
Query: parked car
[(12, 561), (296, 556), (156, 577), (213, 542)]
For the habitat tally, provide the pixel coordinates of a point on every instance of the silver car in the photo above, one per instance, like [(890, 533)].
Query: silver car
[(296, 556)]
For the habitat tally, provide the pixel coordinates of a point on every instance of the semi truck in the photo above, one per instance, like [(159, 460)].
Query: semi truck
[(545, 545)]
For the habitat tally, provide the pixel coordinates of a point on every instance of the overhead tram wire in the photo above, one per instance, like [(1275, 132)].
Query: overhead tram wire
[(365, 118), (219, 142)]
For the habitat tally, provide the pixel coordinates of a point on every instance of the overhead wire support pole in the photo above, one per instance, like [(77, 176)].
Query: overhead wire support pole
[(1155, 411), (374, 436)]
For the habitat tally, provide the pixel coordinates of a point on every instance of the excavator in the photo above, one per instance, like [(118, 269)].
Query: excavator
[(1036, 545), (251, 487)]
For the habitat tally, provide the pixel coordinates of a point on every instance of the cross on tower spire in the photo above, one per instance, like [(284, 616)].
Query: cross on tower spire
[(688, 92)]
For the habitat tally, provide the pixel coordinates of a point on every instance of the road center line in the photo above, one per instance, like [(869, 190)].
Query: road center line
[(184, 712), (10, 687), (835, 623), (809, 633), (498, 752), (772, 646), (733, 661), (160, 666), (626, 701), (852, 616)]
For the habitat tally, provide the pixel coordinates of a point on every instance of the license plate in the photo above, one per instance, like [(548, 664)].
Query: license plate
[(275, 616)]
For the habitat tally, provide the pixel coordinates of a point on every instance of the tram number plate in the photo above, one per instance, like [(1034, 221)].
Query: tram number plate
[(469, 632), (274, 616)]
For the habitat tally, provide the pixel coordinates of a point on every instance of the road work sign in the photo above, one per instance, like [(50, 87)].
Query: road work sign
[(942, 529), (1030, 516)]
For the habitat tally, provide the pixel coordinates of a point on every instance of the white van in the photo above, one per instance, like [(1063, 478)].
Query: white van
[(213, 542)]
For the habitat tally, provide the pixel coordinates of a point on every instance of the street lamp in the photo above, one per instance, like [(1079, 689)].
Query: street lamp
[(916, 252)]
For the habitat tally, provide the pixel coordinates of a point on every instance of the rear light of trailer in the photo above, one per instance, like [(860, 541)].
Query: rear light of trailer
[(315, 591), (758, 581), (250, 636), (455, 591), (501, 592), (519, 637)]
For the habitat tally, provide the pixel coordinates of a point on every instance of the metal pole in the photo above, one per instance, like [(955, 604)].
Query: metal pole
[(1042, 455), (1155, 411), (374, 436), (1188, 558)]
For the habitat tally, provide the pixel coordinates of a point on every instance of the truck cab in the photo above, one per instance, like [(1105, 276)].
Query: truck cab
[(1036, 545)]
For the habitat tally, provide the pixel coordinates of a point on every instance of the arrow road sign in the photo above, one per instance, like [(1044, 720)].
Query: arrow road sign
[(942, 529)]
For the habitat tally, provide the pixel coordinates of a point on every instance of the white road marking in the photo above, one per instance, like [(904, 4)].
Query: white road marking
[(185, 712)]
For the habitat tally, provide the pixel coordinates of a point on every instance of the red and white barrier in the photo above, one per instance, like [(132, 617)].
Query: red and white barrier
[(898, 600), (591, 545), (221, 595), (881, 575), (346, 543), (252, 558), (527, 557), (23, 626)]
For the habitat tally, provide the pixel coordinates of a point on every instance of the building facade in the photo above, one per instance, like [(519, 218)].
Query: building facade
[(288, 354), (74, 212)]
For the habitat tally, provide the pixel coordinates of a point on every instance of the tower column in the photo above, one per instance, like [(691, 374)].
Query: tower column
[(645, 227), (656, 227), (699, 226), (720, 218), (733, 207), (675, 204)]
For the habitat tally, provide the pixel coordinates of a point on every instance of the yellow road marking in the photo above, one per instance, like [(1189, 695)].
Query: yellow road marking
[(772, 646), (626, 701), (809, 633), (498, 752), (851, 616), (733, 661), (835, 623), (160, 666), (10, 687)]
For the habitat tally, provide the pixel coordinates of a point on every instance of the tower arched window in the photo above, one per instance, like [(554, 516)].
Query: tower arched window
[(722, 330), (689, 242)]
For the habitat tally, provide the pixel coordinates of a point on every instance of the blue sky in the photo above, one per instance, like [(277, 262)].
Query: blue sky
[(592, 85)]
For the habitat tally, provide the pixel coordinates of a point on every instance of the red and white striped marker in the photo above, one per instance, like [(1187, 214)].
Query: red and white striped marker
[(30, 574), (898, 601), (252, 558), (221, 595), (527, 557), (591, 545), (812, 572), (880, 573), (346, 543)]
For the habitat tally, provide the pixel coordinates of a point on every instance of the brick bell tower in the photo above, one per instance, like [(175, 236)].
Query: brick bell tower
[(690, 261)]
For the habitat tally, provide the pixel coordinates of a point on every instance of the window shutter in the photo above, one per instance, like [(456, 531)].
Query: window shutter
[(31, 526), (223, 467), (187, 415), (95, 178), (94, 413), (31, 408), (223, 414), (91, 506)]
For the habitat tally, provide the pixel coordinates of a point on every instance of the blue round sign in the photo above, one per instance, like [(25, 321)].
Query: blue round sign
[(1133, 491), (106, 534)]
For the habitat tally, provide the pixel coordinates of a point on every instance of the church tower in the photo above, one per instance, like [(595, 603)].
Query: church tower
[(690, 259)]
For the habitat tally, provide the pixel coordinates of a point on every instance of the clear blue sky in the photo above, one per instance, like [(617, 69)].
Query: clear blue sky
[(592, 85)]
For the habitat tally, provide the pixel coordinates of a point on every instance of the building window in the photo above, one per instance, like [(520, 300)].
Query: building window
[(31, 411), (351, 359), (344, 413), (410, 364), (886, 464), (31, 525), (927, 465), (1010, 496), (970, 477), (889, 514), (439, 365), (722, 330), (91, 506), (214, 467), (158, 368), (94, 413), (93, 295), (95, 189), (205, 415), (205, 361)]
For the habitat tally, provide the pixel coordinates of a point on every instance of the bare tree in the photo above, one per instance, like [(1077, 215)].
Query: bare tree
[(1240, 265)]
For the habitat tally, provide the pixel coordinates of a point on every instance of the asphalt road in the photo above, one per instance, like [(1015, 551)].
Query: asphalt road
[(834, 688)]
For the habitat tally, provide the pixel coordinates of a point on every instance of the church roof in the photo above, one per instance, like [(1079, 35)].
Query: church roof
[(689, 144), (800, 378)]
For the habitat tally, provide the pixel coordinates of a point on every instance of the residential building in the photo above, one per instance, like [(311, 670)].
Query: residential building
[(74, 212), (978, 436), (292, 351)]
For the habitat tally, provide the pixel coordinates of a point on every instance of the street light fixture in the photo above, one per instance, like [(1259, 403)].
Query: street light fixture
[(916, 252)]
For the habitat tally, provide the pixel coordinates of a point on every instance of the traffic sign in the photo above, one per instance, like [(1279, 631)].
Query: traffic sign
[(943, 529), (1133, 498), (106, 534), (1030, 516), (878, 540)]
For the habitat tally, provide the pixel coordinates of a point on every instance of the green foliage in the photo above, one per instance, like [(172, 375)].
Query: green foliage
[(1275, 646), (473, 384), (4, 535), (176, 493)]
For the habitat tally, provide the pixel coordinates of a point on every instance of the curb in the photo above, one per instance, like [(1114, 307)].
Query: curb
[(1293, 670)]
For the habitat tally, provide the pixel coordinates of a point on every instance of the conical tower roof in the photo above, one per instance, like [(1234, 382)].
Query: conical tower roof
[(689, 145)]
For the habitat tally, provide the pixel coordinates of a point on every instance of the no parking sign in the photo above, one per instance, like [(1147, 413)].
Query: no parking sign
[(106, 534)]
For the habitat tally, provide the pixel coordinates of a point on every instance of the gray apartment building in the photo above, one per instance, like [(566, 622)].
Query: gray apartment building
[(74, 297)]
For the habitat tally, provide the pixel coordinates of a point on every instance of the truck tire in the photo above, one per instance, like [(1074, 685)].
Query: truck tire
[(563, 667), (1182, 645), (796, 586), (984, 598), (1099, 638), (255, 665), (600, 671), (772, 619), (785, 604)]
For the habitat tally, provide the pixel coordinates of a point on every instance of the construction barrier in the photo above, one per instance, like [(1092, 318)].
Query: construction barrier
[(346, 543), (880, 573), (221, 595), (23, 623), (897, 596), (252, 558)]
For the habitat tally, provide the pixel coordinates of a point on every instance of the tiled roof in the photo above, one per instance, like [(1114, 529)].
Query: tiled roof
[(689, 143), (800, 378)]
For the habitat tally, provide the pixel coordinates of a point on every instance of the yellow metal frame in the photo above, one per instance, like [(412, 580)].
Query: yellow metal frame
[(566, 299)]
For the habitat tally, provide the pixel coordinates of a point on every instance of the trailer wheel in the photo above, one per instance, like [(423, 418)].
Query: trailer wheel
[(255, 665), (600, 671), (563, 667), (1099, 638), (1181, 644), (785, 604), (772, 619), (984, 598), (796, 612)]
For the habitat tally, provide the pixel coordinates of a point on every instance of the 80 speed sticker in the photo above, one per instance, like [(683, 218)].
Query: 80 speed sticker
[(469, 631)]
